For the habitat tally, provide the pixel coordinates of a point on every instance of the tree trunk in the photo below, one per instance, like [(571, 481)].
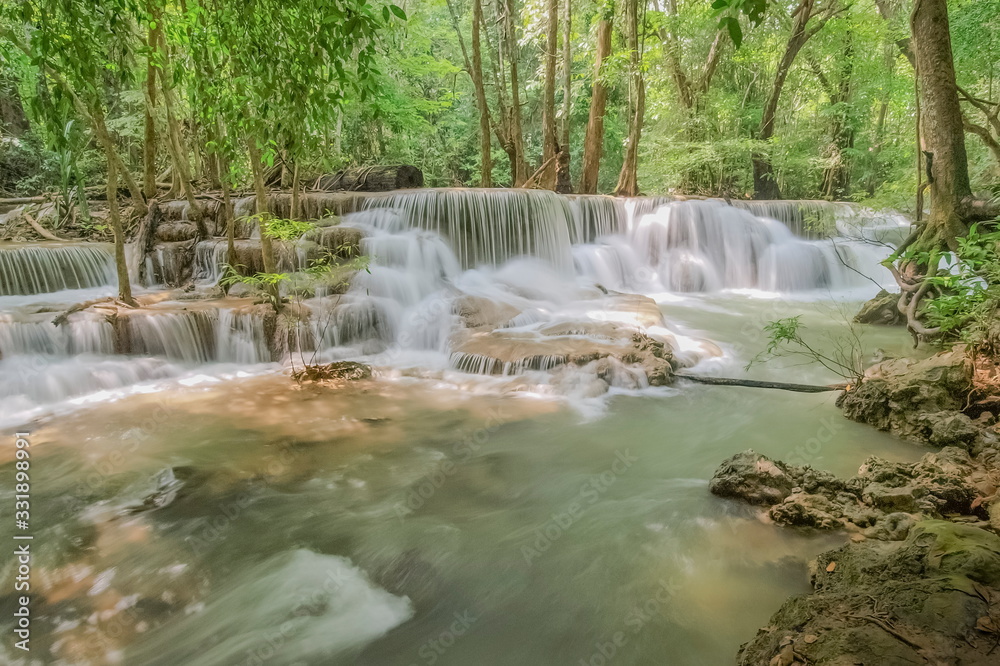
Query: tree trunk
[(294, 213), (485, 149), (564, 183), (628, 179), (593, 143), (124, 286), (519, 166), (266, 247), (764, 183), (149, 142), (836, 183), (175, 141), (550, 144), (379, 178), (941, 123), (227, 207)]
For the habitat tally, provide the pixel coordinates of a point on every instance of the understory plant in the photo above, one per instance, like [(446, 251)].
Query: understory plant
[(965, 293), (785, 340)]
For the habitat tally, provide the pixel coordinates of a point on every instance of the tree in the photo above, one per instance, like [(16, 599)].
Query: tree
[(593, 144), (515, 132), (628, 179), (563, 182), (474, 67), (765, 184), (550, 143)]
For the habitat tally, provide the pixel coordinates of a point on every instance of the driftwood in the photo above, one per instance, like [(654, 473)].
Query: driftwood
[(20, 201), (42, 231), (372, 179), (753, 383)]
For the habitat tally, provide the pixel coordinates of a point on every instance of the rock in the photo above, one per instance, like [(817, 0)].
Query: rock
[(892, 527), (805, 510), (754, 478), (994, 514), (479, 312), (336, 372), (172, 232), (882, 310), (950, 428), (939, 483), (915, 601), (241, 290), (919, 400)]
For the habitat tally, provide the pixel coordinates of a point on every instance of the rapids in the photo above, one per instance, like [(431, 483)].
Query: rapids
[(475, 502)]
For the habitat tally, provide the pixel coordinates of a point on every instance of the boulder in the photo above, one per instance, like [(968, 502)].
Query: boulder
[(754, 478), (927, 599), (882, 310), (173, 232), (919, 400), (799, 496)]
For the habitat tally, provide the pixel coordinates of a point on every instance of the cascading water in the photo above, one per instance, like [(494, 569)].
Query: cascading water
[(470, 298), (41, 268), (529, 259)]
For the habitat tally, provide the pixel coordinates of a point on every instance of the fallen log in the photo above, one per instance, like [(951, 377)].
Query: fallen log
[(20, 201), (372, 179), (753, 383), (39, 229)]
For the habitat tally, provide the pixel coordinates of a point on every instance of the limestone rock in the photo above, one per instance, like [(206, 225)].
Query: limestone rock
[(172, 232), (916, 601), (754, 478), (919, 400), (882, 310)]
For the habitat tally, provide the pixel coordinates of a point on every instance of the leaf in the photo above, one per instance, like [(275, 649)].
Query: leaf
[(986, 625), (831, 566), (398, 12), (735, 31)]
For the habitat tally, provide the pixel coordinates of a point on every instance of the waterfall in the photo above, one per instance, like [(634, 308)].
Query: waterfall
[(43, 268), (487, 227), (196, 336), (83, 333), (702, 246), (488, 282)]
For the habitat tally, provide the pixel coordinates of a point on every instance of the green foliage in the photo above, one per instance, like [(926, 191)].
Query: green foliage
[(967, 293), (785, 339), (322, 85), (281, 229), (753, 10)]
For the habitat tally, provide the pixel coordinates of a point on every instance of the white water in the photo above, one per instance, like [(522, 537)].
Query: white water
[(293, 527), (541, 256)]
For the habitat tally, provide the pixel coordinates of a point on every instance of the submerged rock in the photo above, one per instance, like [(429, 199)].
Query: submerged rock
[(338, 371), (926, 600)]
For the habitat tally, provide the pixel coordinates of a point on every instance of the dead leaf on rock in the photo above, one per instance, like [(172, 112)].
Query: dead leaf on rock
[(810, 638), (987, 625)]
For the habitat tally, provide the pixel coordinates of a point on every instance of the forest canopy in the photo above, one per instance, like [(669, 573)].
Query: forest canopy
[(814, 99)]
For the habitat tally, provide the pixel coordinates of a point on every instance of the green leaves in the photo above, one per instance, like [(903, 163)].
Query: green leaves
[(754, 10), (732, 25)]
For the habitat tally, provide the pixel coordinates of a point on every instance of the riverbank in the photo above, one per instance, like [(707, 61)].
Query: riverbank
[(919, 580)]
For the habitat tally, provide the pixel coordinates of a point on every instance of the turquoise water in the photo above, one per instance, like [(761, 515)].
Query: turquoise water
[(407, 521)]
